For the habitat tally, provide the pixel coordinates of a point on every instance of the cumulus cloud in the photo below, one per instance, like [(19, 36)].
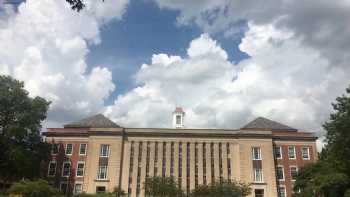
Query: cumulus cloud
[(282, 80), (45, 44)]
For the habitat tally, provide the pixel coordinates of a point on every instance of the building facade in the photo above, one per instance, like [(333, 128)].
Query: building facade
[(97, 155)]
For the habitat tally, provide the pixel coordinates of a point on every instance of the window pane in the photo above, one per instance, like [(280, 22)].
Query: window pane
[(278, 152), (293, 172), (63, 187), (280, 173), (104, 150), (82, 149), (80, 169), (66, 169), (69, 149), (52, 169), (281, 192), (102, 172), (291, 152), (256, 153), (100, 189), (258, 175), (305, 153), (259, 193), (77, 188), (178, 119)]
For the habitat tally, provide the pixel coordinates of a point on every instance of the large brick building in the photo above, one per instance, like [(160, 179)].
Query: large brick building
[(97, 155)]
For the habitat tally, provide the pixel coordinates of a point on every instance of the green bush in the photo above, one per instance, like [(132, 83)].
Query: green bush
[(39, 188)]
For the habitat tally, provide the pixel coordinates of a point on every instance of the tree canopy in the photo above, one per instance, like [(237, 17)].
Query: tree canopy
[(330, 176), (39, 188), (162, 187), (22, 149), (224, 188)]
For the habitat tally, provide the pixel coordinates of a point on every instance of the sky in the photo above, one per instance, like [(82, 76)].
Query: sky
[(225, 62)]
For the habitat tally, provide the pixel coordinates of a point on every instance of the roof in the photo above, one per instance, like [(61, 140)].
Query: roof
[(96, 121), (179, 109), (266, 124)]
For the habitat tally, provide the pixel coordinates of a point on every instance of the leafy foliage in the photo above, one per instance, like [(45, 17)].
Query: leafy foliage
[(330, 176), (224, 188), (22, 149), (162, 187), (39, 188), (77, 4)]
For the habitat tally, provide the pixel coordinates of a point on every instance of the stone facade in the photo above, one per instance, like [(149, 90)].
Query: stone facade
[(192, 156)]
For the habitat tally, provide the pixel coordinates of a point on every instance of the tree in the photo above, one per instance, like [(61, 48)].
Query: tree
[(22, 150), (224, 188), (39, 188), (119, 192), (330, 176), (77, 4), (162, 187)]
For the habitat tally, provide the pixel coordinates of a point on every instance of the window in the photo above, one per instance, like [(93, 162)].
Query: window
[(293, 172), (280, 173), (258, 177), (278, 152), (104, 151), (178, 119), (69, 149), (281, 191), (78, 188), (259, 192), (63, 187), (55, 148), (100, 189), (82, 149), (256, 152), (305, 151), (80, 168), (291, 152), (66, 169), (102, 173), (52, 168)]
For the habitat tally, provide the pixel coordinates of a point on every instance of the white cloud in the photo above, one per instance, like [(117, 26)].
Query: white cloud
[(282, 80), (45, 45)]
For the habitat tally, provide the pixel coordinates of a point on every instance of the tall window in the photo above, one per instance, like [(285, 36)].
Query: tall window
[(155, 170), (188, 168), (164, 159), (131, 167), (80, 168), (204, 164), (63, 187), (104, 150), (172, 159), (256, 153), (278, 152), (212, 162), (138, 183), (228, 161), (148, 152), (55, 148), (294, 172), (78, 187), (258, 176), (66, 169), (280, 173), (220, 162), (196, 164), (291, 152), (69, 149), (305, 151), (180, 165), (102, 172), (82, 149), (281, 191), (52, 168)]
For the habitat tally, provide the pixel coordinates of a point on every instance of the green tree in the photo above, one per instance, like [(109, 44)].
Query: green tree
[(224, 188), (162, 187), (330, 176), (39, 188), (119, 192), (77, 4), (22, 150)]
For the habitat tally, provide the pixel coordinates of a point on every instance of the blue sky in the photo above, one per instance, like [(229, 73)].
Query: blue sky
[(146, 30)]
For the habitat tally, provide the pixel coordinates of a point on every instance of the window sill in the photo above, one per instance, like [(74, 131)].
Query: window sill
[(259, 183), (101, 180)]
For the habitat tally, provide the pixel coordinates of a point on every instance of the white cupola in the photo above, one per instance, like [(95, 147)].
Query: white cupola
[(178, 117)]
